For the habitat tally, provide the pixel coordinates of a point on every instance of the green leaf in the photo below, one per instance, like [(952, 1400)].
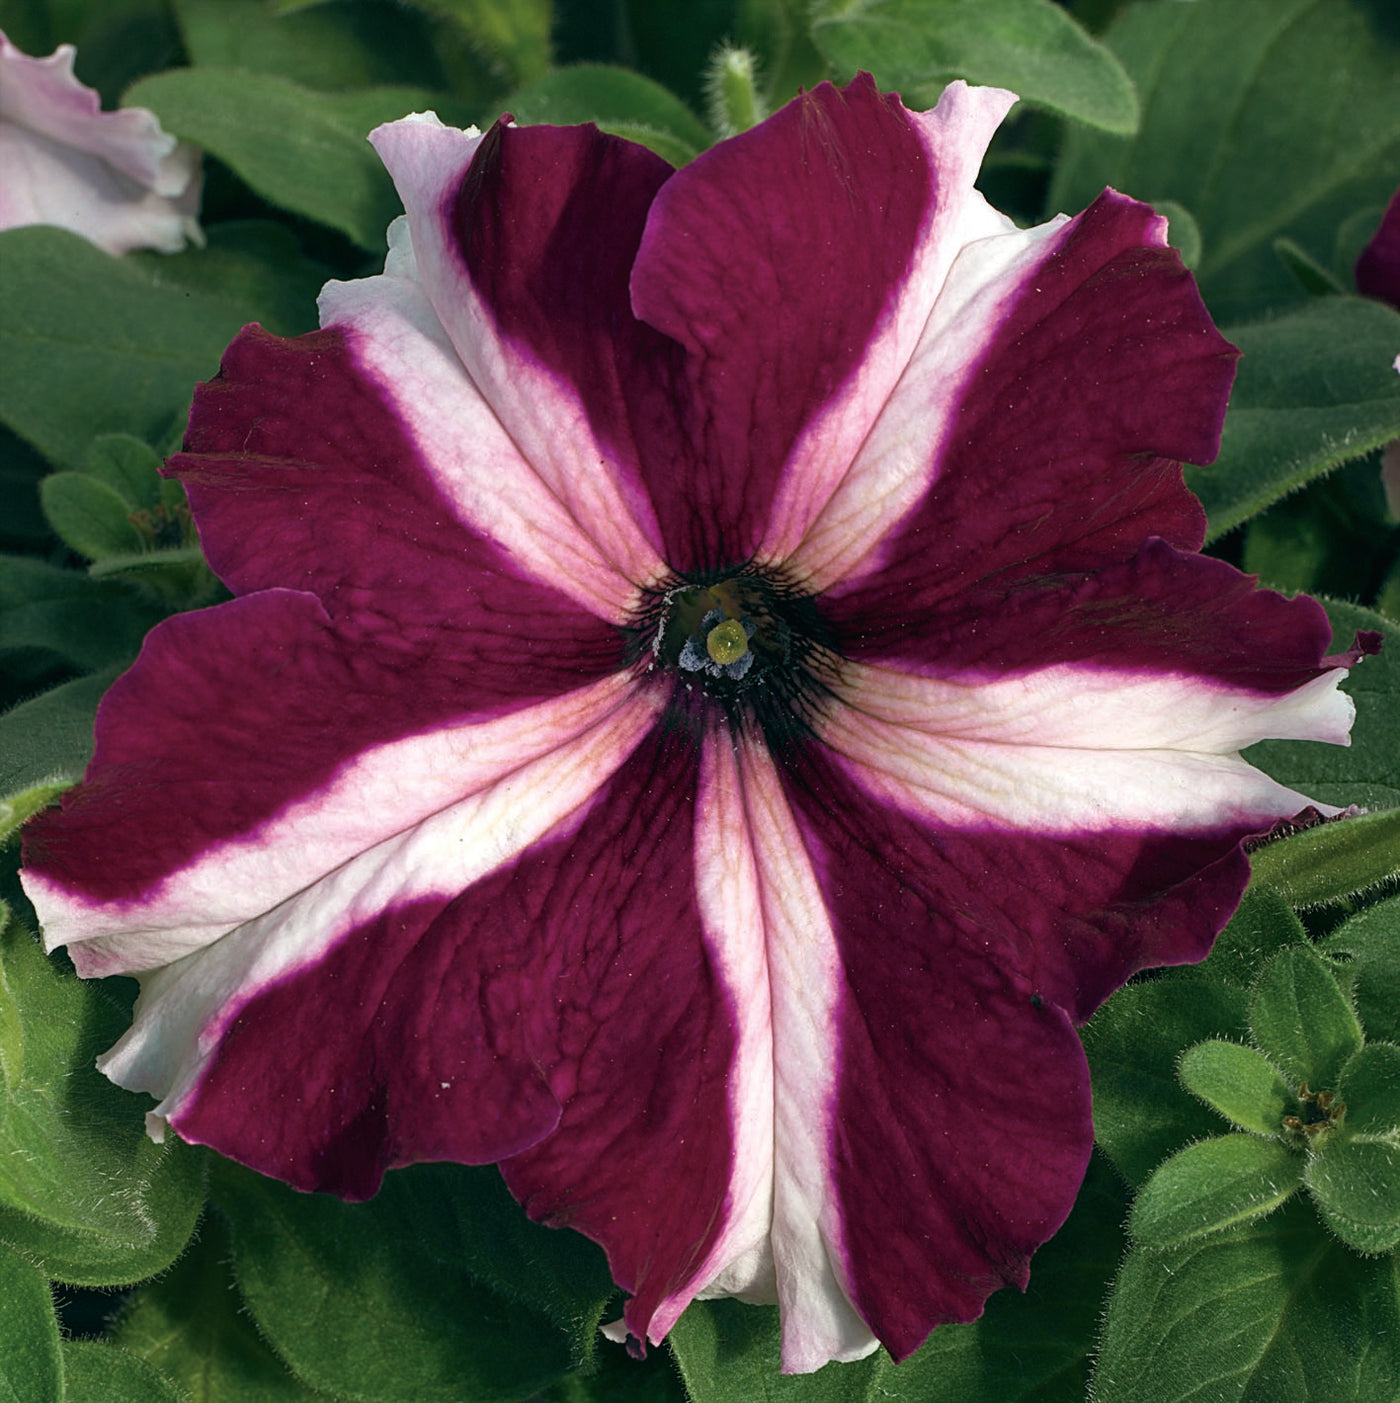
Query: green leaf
[(328, 47), (45, 745), (404, 1297), (1313, 277), (102, 1373), (514, 32), (1183, 233), (1369, 947), (190, 1324), (30, 1366), (619, 101), (83, 1193), (1356, 1186), (1316, 388), (1263, 925), (283, 140), (1332, 861), (88, 515), (91, 345), (1264, 118), (253, 262), (1367, 772), (1243, 1086), (1024, 1348), (1275, 1312), (1370, 1090), (86, 623), (1141, 1112), (128, 466), (1033, 47), (1302, 1021), (1211, 1185)]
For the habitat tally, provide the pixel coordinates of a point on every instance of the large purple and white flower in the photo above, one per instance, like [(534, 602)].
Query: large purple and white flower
[(720, 683), (116, 178)]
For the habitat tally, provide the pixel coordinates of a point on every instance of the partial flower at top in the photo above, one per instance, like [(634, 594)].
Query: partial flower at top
[(1378, 275), (720, 683), (114, 177)]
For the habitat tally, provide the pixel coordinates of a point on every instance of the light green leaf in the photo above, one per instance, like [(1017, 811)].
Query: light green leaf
[(83, 1193), (1356, 1186), (285, 141), (1263, 925), (619, 101), (1370, 1090), (390, 1299), (1332, 861), (1263, 118), (1367, 772), (1183, 233), (1275, 1312), (94, 1372), (91, 345), (1243, 1086), (514, 32), (128, 466), (30, 1367), (1211, 1185), (191, 1325), (1302, 1021), (1033, 47), (1368, 947), (1141, 1112), (1316, 388), (87, 515)]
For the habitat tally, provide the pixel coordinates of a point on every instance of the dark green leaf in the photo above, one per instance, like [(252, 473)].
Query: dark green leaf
[(1356, 1186), (1141, 1112), (1211, 1185), (1243, 1086), (128, 466), (30, 1369), (1263, 118), (620, 102), (1332, 861), (87, 515), (1316, 388), (285, 141), (1274, 1312), (190, 1324), (83, 1193), (1302, 1021), (1033, 47), (1370, 1090), (1263, 925), (103, 1373), (1369, 947), (514, 32), (1368, 772), (387, 1299), (92, 346), (1313, 278)]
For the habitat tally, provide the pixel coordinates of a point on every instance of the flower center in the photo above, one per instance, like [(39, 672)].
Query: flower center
[(745, 638)]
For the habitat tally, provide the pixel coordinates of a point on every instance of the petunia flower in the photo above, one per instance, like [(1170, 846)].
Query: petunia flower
[(114, 177), (720, 684)]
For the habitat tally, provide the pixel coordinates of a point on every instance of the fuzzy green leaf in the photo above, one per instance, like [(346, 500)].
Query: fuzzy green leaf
[(1302, 1021), (30, 1367), (1316, 388), (1243, 1086), (1033, 47), (1263, 925), (1277, 1311), (1369, 1087), (91, 345), (1368, 947), (619, 101), (514, 32), (1211, 1185), (94, 1372), (83, 1193), (87, 515), (128, 466), (1332, 861), (285, 141), (1356, 1186)]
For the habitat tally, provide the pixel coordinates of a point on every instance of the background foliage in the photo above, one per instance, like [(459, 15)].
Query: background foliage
[(1236, 1237)]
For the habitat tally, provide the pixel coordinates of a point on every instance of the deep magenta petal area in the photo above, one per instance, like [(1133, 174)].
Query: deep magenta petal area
[(563, 1011), (1160, 610), (1062, 453), (773, 258), (962, 1126), (1378, 267)]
